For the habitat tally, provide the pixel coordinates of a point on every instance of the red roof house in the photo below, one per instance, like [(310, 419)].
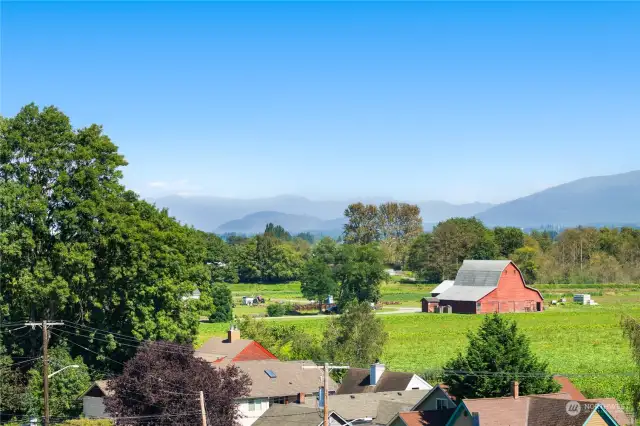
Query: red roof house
[(486, 286), (233, 349)]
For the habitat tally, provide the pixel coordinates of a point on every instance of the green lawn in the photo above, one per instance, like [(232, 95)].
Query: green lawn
[(573, 339)]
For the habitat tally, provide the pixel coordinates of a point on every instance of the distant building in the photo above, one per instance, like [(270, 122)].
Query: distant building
[(486, 286)]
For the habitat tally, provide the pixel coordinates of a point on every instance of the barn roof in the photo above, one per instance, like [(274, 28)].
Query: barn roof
[(480, 273), (465, 293), (444, 285)]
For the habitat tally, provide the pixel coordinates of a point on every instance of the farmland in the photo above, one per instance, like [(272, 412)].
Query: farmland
[(583, 341)]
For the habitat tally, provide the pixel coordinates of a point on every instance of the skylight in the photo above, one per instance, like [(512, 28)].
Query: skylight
[(270, 373)]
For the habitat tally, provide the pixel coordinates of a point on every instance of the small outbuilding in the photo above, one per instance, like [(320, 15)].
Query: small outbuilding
[(486, 286)]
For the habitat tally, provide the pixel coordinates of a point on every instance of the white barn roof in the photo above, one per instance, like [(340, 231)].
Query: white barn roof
[(444, 285), (475, 279)]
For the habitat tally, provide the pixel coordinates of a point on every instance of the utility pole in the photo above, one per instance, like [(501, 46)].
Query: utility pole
[(45, 370), (45, 362), (325, 391), (204, 413)]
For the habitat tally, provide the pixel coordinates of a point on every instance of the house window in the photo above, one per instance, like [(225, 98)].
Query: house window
[(442, 404), (280, 400)]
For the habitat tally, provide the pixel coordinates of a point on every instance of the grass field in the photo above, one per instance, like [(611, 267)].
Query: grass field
[(585, 342)]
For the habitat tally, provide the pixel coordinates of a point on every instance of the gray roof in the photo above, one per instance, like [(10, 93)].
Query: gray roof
[(465, 293), (357, 380), (290, 379), (444, 285), (480, 273), (217, 348), (359, 405), (294, 415)]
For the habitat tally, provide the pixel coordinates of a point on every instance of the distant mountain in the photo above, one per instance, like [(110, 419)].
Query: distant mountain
[(209, 213), (601, 200), (293, 223), (436, 211)]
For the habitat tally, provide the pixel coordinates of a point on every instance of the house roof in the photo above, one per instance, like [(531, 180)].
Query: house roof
[(569, 388), (445, 390), (444, 285), (294, 415), (99, 389), (290, 378), (423, 418), (357, 381), (361, 405), (219, 350), (532, 410), (615, 409)]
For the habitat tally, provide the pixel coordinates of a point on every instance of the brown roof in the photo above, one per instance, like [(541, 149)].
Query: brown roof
[(536, 410), (431, 418), (615, 409), (99, 389), (294, 415), (568, 387), (290, 378), (218, 348), (372, 405), (357, 381)]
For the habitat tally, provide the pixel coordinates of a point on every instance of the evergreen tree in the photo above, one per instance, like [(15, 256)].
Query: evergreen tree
[(222, 302), (496, 356)]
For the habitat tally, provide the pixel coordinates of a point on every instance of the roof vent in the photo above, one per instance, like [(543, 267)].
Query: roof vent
[(353, 397), (270, 373)]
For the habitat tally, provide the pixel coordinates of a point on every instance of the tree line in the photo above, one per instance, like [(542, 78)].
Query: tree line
[(581, 255)]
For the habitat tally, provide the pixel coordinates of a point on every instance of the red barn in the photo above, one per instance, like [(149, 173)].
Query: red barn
[(485, 286)]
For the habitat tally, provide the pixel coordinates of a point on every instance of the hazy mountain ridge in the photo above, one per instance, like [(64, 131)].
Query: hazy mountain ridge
[(612, 200), (211, 213)]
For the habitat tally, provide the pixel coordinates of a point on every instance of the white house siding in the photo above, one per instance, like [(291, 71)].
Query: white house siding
[(249, 417), (418, 383), (93, 406)]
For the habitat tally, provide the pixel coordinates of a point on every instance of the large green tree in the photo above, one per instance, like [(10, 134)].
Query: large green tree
[(497, 355), (399, 225), (360, 271), (362, 225), (223, 303), (631, 330), (317, 280), (77, 246), (64, 388), (509, 239), (356, 337), (11, 384)]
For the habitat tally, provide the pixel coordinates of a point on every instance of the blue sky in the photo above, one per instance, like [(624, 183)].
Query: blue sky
[(418, 101)]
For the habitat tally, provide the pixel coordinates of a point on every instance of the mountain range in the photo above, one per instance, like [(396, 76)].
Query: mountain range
[(601, 200)]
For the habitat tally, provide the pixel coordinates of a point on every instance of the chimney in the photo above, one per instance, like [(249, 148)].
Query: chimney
[(515, 389), (301, 398), (375, 372), (321, 398), (233, 334)]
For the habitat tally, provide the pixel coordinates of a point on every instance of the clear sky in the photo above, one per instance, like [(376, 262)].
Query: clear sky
[(418, 101)]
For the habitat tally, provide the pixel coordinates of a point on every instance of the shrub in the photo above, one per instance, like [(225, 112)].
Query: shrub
[(276, 310)]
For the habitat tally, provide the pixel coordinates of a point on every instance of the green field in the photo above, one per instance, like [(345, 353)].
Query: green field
[(585, 342)]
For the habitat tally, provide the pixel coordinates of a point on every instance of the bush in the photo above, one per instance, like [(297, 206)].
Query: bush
[(276, 310)]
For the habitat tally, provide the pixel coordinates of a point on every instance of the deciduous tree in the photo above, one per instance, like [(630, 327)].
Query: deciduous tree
[(360, 271), (357, 337), (163, 381), (362, 224)]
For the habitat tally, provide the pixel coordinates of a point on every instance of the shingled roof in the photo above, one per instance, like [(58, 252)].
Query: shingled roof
[(219, 350), (540, 410), (295, 415), (357, 380)]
